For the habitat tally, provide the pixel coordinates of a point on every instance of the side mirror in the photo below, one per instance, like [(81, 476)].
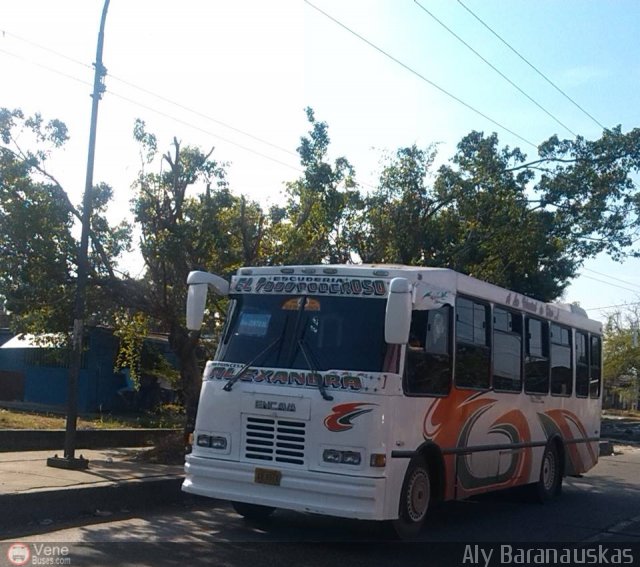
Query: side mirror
[(398, 315), (198, 283), (196, 302)]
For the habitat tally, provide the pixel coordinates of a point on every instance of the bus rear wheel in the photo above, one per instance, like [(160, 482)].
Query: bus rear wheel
[(414, 500), (549, 486), (252, 511)]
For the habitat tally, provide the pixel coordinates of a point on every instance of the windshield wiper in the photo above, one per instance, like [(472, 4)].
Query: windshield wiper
[(227, 387), (309, 356)]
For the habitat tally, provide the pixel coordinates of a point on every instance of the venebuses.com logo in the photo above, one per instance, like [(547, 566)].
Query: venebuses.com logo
[(19, 554), (38, 554)]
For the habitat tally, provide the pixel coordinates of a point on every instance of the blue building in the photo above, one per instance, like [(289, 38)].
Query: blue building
[(33, 374)]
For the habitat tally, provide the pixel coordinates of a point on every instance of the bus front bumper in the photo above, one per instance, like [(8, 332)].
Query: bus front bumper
[(301, 490)]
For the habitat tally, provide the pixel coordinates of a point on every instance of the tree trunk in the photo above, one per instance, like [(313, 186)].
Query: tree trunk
[(191, 381), (184, 345)]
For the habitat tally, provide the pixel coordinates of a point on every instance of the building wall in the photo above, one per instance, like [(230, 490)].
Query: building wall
[(12, 374), (45, 374)]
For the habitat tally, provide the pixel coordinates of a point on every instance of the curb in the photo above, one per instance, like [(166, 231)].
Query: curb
[(13, 440), (606, 447), (44, 507)]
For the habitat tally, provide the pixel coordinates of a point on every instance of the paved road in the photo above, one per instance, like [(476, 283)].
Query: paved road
[(602, 507)]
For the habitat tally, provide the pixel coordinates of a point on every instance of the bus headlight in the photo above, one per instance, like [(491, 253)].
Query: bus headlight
[(351, 458), (341, 457), (331, 456), (212, 441), (219, 443), (203, 440)]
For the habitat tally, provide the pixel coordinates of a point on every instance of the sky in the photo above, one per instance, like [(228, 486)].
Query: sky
[(236, 75)]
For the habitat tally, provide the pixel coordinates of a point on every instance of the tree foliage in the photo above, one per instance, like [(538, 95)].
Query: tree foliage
[(527, 226), (131, 330), (322, 205), (592, 186), (188, 219), (39, 250), (491, 231), (185, 213), (399, 215), (621, 369)]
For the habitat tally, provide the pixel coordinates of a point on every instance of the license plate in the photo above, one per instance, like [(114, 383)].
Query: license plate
[(267, 476)]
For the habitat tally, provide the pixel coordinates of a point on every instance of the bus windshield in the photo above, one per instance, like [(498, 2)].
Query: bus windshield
[(307, 332)]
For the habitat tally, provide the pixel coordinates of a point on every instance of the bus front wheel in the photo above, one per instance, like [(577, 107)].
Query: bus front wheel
[(414, 500), (252, 511)]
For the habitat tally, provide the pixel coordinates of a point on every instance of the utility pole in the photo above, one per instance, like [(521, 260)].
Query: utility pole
[(69, 461)]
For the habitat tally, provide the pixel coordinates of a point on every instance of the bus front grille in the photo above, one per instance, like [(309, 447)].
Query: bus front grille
[(275, 440)]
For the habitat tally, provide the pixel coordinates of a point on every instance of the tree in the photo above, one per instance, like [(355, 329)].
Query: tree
[(490, 229), (621, 368), (527, 226), (592, 186), (188, 220), (39, 251), (187, 217), (474, 217), (398, 220), (322, 205)]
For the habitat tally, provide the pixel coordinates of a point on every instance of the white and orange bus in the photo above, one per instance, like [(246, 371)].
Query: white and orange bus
[(372, 391)]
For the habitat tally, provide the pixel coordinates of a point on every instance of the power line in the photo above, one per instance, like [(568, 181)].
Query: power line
[(420, 76), (203, 130), (556, 87), (21, 58), (156, 95), (131, 101), (611, 277), (34, 44), (170, 117), (202, 115), (612, 306), (520, 90), (609, 283), (197, 113)]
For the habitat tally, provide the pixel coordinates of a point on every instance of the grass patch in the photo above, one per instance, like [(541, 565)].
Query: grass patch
[(171, 416)]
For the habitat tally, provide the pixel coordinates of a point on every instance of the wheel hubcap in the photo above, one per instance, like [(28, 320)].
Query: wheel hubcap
[(418, 496)]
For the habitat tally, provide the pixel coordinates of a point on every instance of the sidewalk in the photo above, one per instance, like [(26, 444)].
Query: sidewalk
[(33, 494)]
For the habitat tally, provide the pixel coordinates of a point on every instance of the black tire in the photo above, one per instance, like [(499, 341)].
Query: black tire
[(549, 486), (415, 499), (253, 511)]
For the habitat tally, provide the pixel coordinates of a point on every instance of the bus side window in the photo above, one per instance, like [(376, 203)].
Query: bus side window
[(561, 364), (473, 352), (428, 360), (596, 366), (438, 331), (536, 364), (507, 351), (582, 365)]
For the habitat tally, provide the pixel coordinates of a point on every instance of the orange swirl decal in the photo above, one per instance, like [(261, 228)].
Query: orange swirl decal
[(563, 423), (515, 427), (342, 415)]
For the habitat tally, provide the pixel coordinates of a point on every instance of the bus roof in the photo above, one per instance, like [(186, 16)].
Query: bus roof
[(444, 279)]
